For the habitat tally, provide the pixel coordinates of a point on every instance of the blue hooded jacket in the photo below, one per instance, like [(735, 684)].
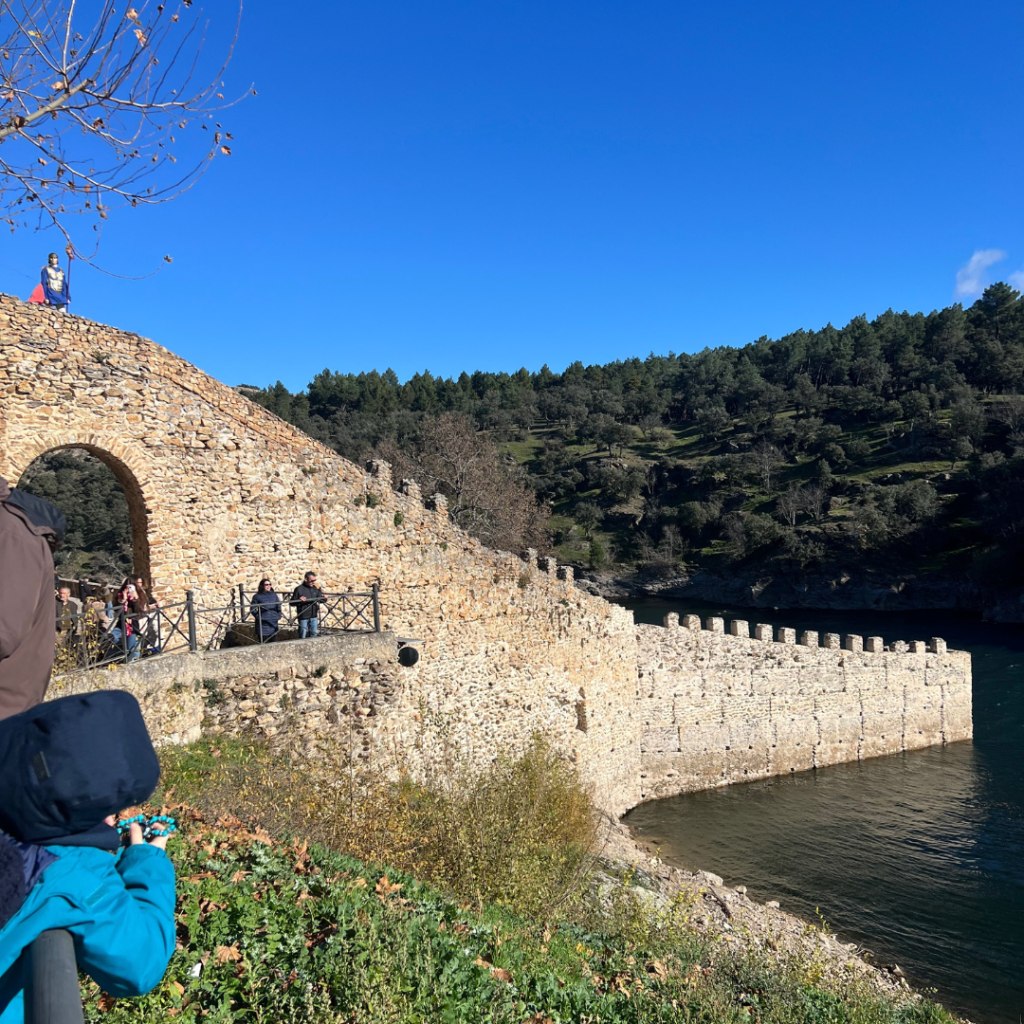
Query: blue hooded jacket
[(65, 765), (119, 909)]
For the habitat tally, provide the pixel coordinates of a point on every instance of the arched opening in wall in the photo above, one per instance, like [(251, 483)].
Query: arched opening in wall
[(105, 509)]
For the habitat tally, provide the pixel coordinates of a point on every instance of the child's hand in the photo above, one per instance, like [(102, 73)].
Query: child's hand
[(136, 836)]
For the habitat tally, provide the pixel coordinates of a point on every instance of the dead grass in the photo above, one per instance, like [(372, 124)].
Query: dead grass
[(520, 832)]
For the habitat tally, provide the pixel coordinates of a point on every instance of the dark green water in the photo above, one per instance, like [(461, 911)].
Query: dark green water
[(919, 857)]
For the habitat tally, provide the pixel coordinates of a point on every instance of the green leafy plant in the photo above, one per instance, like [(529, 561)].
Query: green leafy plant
[(214, 696), (272, 928)]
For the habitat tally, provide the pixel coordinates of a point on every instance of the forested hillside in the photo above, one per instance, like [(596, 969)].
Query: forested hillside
[(896, 443), (98, 544)]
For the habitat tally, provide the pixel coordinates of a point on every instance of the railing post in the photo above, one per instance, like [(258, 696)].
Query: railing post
[(241, 602), (376, 609), (52, 995), (190, 605)]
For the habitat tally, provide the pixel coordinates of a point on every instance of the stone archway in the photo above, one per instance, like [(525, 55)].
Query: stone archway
[(138, 512)]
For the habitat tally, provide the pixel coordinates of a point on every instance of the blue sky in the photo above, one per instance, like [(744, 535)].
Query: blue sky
[(469, 186)]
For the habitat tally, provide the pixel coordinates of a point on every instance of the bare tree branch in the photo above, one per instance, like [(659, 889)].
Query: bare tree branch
[(95, 97)]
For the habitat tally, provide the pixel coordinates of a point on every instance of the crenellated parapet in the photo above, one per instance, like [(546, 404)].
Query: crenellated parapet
[(722, 703), (766, 633)]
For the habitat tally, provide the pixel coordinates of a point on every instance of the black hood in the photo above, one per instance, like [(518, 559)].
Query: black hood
[(39, 512), (66, 764)]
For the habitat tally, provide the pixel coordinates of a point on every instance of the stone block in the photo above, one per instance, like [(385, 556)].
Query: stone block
[(832, 642), (763, 631), (660, 738), (883, 733), (738, 627), (854, 643), (787, 635), (899, 647), (922, 727), (793, 744), (566, 572), (918, 647), (411, 489), (957, 724), (809, 638), (937, 645), (839, 738), (692, 622), (874, 645), (819, 677), (714, 624), (747, 752), (547, 564), (671, 620)]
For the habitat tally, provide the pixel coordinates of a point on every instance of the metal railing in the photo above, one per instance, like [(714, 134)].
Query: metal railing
[(52, 995), (85, 641)]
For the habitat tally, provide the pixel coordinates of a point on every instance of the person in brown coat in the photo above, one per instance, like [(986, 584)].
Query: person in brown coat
[(29, 530)]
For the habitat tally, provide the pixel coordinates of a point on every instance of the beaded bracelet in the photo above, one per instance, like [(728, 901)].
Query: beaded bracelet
[(157, 826)]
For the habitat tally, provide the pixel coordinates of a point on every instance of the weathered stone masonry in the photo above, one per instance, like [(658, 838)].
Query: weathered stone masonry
[(723, 707), (222, 492)]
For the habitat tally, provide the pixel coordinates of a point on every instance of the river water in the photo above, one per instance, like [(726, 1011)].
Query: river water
[(919, 857)]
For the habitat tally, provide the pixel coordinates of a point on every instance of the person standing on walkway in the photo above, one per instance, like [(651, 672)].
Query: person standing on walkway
[(69, 610), (30, 529), (306, 600), (56, 289), (265, 607)]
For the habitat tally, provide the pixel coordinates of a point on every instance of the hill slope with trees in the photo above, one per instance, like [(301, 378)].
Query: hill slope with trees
[(890, 448)]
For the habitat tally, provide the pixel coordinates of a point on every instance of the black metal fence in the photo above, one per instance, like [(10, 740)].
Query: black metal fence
[(110, 635)]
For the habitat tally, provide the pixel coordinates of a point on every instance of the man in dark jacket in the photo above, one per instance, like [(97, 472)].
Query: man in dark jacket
[(306, 601), (29, 528)]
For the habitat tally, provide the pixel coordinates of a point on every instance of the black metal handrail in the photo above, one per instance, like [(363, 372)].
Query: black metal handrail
[(52, 995), (187, 626)]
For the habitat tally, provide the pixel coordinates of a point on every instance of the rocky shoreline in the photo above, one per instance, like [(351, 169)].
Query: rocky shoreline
[(726, 913), (842, 591)]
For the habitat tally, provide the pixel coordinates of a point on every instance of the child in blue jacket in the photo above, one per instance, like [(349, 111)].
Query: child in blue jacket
[(66, 768)]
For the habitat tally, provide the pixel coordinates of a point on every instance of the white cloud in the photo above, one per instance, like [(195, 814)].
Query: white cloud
[(1016, 280), (971, 278)]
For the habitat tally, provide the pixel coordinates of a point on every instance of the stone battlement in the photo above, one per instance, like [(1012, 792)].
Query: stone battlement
[(720, 707), (830, 641)]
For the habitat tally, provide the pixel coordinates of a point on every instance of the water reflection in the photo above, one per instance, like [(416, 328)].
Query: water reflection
[(916, 856)]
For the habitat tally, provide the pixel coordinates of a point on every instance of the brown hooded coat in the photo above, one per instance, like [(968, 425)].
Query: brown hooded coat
[(27, 621)]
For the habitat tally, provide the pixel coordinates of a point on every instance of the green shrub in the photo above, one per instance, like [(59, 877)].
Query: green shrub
[(519, 832), (214, 696)]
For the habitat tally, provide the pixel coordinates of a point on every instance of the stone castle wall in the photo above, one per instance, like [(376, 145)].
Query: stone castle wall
[(336, 688), (222, 492), (720, 707)]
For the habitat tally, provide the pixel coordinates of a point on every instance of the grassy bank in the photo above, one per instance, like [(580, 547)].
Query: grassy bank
[(273, 928)]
